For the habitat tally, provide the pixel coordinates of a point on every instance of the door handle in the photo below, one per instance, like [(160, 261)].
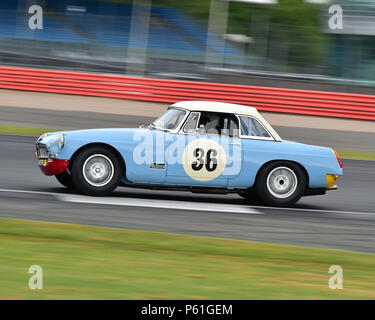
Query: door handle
[(235, 143)]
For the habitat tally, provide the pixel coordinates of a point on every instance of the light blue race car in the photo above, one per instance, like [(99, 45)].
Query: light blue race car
[(200, 146)]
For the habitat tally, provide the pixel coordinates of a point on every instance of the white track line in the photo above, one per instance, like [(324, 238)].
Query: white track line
[(146, 203), (164, 204)]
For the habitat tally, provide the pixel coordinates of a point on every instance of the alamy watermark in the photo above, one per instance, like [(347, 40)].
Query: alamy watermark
[(204, 155), (336, 281), (36, 19), (336, 21), (36, 280)]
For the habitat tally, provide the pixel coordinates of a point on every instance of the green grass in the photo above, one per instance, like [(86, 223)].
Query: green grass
[(356, 155), (24, 130), (103, 263)]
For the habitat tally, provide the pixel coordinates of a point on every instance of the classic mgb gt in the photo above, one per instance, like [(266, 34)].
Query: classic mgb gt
[(199, 146)]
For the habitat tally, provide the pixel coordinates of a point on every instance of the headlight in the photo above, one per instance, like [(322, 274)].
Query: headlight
[(57, 140), (61, 141), (42, 137)]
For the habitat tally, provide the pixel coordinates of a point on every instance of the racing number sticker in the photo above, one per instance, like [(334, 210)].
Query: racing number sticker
[(204, 159)]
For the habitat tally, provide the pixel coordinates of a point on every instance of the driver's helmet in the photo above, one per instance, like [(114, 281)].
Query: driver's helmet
[(213, 125), (204, 120)]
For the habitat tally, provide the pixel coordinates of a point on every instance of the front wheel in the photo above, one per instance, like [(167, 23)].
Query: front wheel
[(96, 171), (281, 183), (65, 179)]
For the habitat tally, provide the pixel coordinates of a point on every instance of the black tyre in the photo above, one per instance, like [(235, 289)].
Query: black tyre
[(251, 196), (96, 171), (281, 183), (65, 179)]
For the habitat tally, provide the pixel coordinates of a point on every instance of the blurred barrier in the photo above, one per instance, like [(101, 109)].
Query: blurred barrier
[(329, 104)]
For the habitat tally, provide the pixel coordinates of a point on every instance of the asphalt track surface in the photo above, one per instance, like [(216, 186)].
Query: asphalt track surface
[(343, 219)]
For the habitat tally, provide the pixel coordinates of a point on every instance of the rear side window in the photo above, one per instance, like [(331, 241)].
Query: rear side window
[(252, 128)]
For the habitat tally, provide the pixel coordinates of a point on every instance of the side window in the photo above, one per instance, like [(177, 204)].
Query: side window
[(251, 127), (191, 123), (215, 123), (209, 123)]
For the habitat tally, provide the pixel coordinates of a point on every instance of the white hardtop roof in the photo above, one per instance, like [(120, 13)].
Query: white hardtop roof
[(213, 106), (217, 107)]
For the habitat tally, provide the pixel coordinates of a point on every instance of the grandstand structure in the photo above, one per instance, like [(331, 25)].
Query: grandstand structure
[(99, 36), (98, 33)]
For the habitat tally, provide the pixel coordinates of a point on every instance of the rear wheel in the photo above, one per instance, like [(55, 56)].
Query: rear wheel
[(251, 196), (96, 171), (281, 183), (65, 179)]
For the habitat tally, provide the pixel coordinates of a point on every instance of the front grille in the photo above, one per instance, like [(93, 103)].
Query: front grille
[(42, 152)]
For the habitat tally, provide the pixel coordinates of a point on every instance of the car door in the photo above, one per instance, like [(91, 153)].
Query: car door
[(147, 163), (199, 156), (256, 146)]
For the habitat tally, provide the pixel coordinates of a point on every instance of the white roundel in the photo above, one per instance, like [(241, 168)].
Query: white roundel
[(204, 159)]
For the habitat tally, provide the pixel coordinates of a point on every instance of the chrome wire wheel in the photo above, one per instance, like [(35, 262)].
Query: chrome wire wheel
[(282, 182), (98, 170)]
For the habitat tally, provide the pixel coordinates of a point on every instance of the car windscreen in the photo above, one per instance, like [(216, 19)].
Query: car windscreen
[(170, 120)]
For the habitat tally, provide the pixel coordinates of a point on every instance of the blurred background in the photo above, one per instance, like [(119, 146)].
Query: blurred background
[(281, 43), (270, 43)]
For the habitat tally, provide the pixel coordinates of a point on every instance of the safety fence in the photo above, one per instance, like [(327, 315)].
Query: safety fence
[(317, 103)]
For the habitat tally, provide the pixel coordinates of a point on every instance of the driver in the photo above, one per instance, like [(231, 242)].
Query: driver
[(210, 124)]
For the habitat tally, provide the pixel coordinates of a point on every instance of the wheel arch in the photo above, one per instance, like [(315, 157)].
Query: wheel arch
[(284, 161), (116, 153)]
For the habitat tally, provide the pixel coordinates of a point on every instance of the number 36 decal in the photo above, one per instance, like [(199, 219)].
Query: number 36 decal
[(211, 162), (204, 159)]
